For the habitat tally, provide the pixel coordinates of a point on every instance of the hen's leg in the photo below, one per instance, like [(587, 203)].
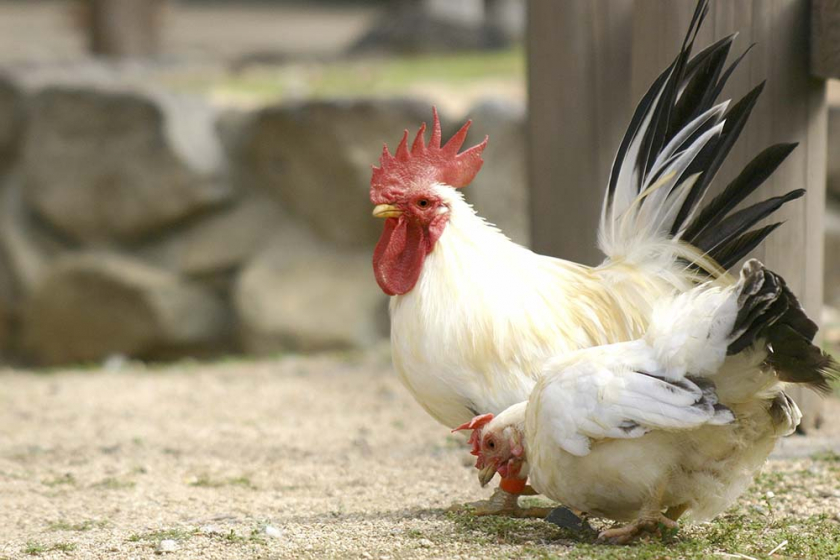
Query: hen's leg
[(650, 521), (675, 512), (506, 503), (649, 524), (501, 503)]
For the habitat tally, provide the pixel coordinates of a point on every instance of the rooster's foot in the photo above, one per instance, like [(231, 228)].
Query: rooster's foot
[(501, 503), (647, 525)]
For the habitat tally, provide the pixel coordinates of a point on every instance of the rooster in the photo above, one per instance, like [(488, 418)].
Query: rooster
[(475, 317), (676, 421)]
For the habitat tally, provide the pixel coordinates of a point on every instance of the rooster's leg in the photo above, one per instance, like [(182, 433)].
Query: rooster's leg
[(501, 503)]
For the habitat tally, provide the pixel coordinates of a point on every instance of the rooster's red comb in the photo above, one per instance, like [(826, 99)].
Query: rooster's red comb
[(425, 163)]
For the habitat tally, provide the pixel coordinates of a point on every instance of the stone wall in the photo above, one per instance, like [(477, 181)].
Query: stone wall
[(140, 223)]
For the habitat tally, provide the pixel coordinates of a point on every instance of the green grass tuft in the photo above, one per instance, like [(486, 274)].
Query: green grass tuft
[(753, 535), (826, 456), (113, 483), (205, 481), (66, 479), (164, 534), (87, 525), (36, 549)]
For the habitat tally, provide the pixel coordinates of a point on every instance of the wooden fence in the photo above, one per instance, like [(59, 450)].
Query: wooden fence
[(589, 62)]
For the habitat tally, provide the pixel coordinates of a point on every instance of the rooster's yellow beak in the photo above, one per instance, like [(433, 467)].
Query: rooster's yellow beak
[(386, 211)]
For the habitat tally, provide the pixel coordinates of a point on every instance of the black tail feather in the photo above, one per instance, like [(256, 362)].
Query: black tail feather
[(701, 75), (752, 176), (709, 162), (739, 222), (728, 254), (687, 89)]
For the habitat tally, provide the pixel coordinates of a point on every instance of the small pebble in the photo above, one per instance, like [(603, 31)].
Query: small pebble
[(426, 543), (166, 546), (272, 532), (115, 362), (367, 556), (209, 530), (770, 494)]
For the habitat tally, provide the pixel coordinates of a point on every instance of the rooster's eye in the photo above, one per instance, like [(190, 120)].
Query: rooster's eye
[(491, 444), (422, 203)]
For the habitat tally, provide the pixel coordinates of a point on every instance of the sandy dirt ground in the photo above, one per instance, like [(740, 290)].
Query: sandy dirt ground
[(319, 457)]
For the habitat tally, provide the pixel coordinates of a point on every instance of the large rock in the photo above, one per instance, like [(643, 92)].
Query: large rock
[(27, 249), (316, 158), (500, 190), (93, 305), (220, 242), (307, 300), (25, 253), (104, 165), (8, 309), (434, 26)]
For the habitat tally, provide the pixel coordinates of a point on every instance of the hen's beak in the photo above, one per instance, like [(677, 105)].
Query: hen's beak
[(386, 211), (486, 474)]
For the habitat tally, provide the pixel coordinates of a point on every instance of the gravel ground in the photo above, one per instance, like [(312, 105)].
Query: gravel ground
[(296, 457)]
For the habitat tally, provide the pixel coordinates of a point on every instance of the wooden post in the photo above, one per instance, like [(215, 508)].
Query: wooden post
[(579, 107), (124, 28), (825, 38), (791, 109), (505, 17)]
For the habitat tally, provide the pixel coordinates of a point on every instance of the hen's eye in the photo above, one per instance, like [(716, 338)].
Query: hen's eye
[(491, 444), (422, 203)]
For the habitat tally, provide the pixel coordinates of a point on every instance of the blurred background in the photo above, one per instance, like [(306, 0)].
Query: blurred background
[(189, 177)]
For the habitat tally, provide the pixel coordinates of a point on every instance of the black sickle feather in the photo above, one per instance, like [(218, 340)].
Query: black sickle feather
[(688, 88), (736, 118), (741, 221), (752, 176), (633, 128), (701, 73), (714, 93), (665, 88), (729, 253)]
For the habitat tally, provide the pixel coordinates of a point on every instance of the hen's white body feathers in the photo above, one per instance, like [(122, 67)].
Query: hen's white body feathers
[(609, 428)]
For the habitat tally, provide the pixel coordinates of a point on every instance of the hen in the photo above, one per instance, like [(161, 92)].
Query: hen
[(475, 317), (678, 420)]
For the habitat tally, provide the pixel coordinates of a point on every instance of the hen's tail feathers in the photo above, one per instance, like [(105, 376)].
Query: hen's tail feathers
[(675, 144), (768, 310)]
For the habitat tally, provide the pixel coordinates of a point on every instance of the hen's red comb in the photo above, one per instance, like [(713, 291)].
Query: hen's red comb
[(476, 424), (425, 163)]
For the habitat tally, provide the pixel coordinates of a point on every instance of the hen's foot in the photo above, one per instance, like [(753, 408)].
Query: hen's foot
[(501, 503), (625, 534)]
